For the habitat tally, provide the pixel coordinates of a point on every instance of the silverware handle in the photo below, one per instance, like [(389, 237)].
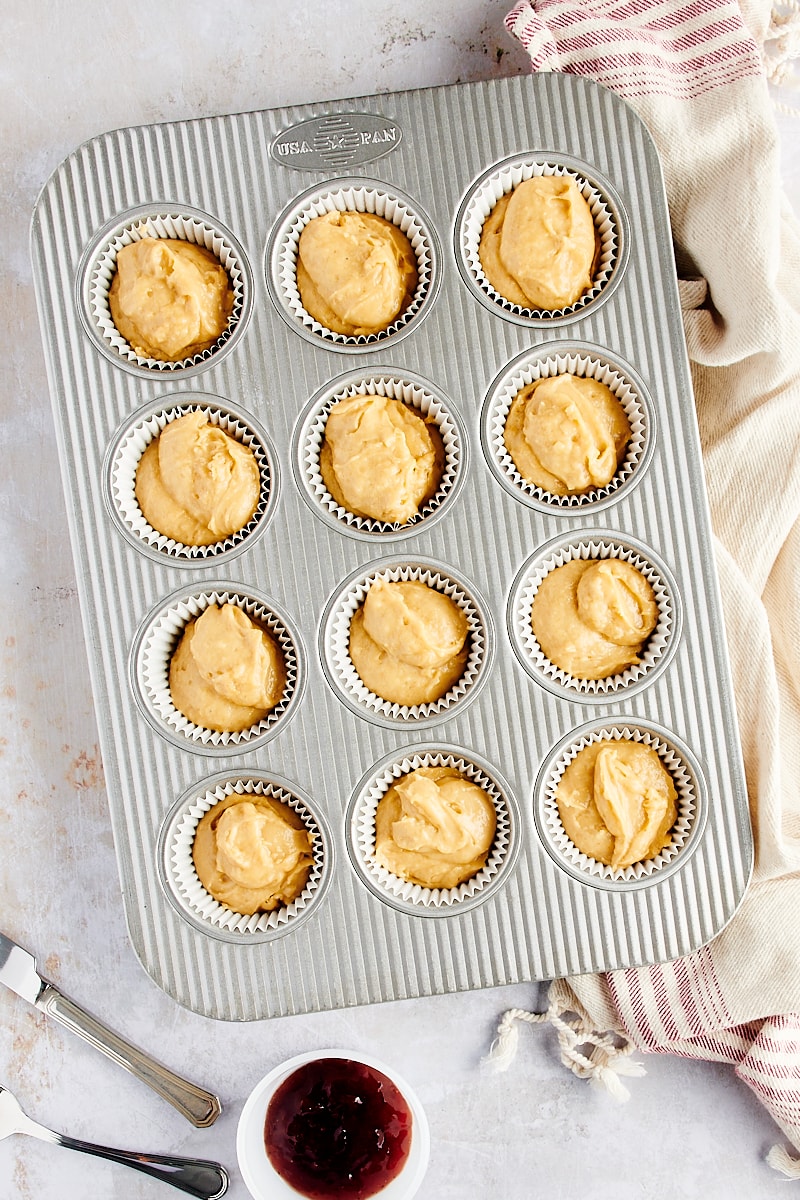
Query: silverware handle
[(197, 1105), (196, 1176)]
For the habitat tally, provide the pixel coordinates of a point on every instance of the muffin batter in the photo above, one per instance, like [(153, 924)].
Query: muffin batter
[(227, 672), (195, 483), (434, 827), (408, 642), (539, 245), (380, 459), (252, 853), (356, 272), (567, 434), (592, 617), (617, 802), (170, 299)]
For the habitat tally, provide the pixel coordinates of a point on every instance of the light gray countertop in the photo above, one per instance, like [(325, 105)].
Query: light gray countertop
[(690, 1129)]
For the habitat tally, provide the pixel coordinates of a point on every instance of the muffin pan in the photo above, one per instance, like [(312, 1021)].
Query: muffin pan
[(434, 161)]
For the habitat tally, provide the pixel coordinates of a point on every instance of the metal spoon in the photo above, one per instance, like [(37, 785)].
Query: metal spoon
[(198, 1177)]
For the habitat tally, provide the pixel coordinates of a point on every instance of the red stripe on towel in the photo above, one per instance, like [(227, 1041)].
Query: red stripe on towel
[(640, 47)]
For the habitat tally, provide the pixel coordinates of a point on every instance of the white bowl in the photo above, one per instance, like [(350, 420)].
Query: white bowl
[(263, 1181)]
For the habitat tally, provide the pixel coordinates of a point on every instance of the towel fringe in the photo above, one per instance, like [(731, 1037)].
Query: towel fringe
[(781, 1160), (608, 1054), (781, 49), (607, 1059)]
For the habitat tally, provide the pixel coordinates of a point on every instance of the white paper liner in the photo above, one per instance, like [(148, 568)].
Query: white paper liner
[(414, 895), (531, 369), (165, 224), (364, 199), (160, 641), (344, 673), (188, 889), (504, 179), (656, 647), (426, 404), (687, 804), (125, 461)]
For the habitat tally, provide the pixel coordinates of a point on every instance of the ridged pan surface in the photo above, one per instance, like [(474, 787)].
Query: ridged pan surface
[(240, 184)]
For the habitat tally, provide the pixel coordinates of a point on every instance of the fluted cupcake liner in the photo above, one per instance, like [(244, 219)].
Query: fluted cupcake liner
[(484, 195), (157, 641), (350, 195), (180, 878), (685, 832), (417, 395), (130, 444), (586, 362), (335, 636), (183, 224), (413, 897), (596, 545)]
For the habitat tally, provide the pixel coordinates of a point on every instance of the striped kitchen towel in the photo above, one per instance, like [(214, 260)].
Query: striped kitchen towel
[(640, 49), (698, 73)]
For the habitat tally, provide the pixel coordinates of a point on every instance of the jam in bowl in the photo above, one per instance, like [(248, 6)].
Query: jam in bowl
[(333, 1124)]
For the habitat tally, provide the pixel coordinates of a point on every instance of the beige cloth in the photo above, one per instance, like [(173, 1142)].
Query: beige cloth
[(738, 250)]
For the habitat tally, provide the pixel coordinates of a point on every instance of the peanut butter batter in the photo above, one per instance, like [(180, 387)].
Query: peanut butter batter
[(356, 272), (252, 853), (592, 617), (617, 802), (434, 827), (408, 642), (170, 299), (195, 483), (539, 245), (567, 434), (380, 459), (227, 672)]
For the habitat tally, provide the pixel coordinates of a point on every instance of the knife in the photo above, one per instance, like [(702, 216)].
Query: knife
[(18, 972)]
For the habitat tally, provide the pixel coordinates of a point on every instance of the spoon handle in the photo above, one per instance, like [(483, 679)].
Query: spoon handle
[(197, 1176), (199, 1106)]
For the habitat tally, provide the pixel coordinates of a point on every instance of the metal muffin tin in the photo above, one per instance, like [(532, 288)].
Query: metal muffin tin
[(433, 159)]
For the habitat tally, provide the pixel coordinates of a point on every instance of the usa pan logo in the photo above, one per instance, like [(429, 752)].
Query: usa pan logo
[(336, 141)]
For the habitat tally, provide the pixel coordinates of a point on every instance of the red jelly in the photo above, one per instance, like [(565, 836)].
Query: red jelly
[(337, 1130)]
